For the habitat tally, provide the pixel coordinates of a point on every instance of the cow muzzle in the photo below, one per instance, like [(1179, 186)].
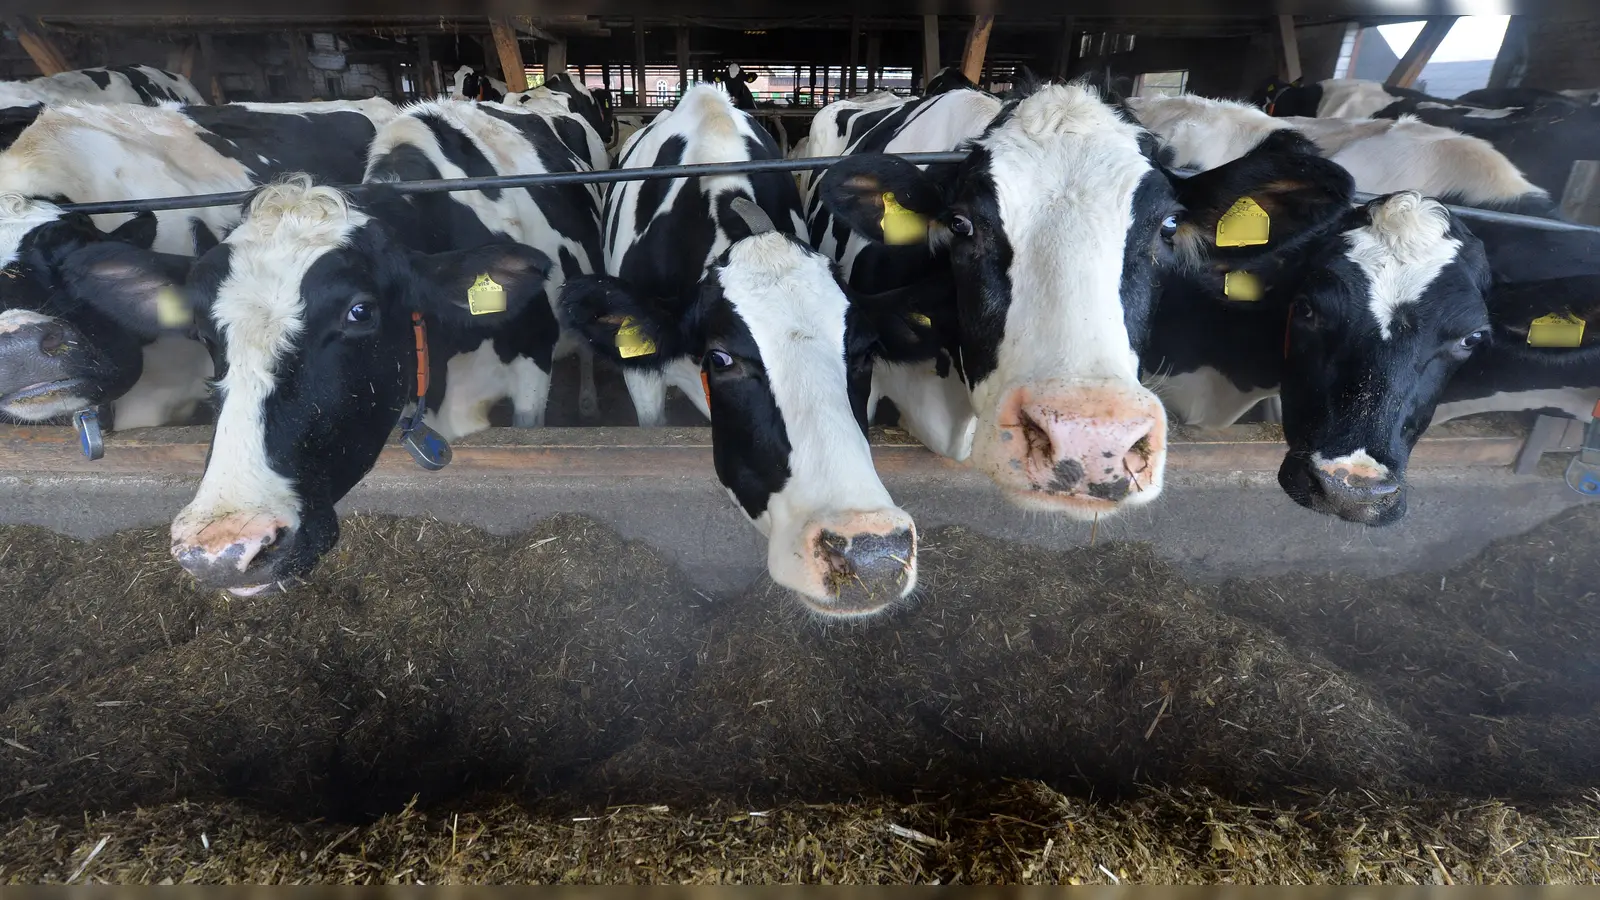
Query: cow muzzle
[(1079, 449), (1355, 487), (44, 369), (242, 553), (849, 564)]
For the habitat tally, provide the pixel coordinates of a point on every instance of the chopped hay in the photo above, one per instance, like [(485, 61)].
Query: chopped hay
[(1023, 832)]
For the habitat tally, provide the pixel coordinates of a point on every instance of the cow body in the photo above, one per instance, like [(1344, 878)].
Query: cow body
[(578, 120), (311, 301), (84, 153), (709, 289), (1334, 98), (116, 84), (1384, 155)]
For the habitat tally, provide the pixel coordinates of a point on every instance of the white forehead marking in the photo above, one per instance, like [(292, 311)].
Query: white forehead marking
[(18, 216), (1404, 249), (14, 319), (1065, 169)]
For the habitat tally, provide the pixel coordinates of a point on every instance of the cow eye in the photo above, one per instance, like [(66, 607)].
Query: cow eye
[(359, 311), (961, 225), (1471, 341), (1305, 314), (1169, 226), (720, 360)]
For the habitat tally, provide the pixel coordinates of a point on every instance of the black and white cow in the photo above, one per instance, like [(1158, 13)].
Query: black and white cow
[(577, 118), (470, 84), (736, 81), (1054, 230), (1334, 98), (98, 320), (709, 290), (117, 84), (310, 305), (1384, 155)]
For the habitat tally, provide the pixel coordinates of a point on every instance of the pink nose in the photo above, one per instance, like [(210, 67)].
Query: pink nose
[(1089, 443), (231, 551), (858, 563)]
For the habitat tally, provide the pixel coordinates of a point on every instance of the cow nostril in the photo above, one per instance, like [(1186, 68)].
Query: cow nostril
[(1037, 438), (51, 342)]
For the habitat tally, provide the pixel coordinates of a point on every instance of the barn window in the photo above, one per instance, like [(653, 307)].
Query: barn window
[(1162, 84)]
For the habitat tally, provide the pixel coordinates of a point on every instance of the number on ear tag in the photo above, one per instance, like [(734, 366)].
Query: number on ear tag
[(901, 225), (427, 447), (1556, 331), (1242, 286), (171, 311), (1245, 224), (486, 296), (631, 340)]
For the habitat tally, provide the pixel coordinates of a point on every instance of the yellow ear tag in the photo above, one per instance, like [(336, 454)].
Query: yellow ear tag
[(1242, 286), (1556, 331), (631, 341), (901, 225), (1245, 224), (486, 296), (921, 319), (171, 311)]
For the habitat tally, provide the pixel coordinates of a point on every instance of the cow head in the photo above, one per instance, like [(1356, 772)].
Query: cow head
[(77, 305), (1057, 226), (785, 356), (309, 307), (736, 82), (1288, 98), (1385, 314)]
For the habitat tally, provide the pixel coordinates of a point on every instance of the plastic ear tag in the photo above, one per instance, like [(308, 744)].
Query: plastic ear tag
[(427, 447), (486, 296), (631, 340), (1242, 286), (1556, 331), (1245, 224), (901, 225), (921, 319), (90, 438), (171, 311), (705, 385)]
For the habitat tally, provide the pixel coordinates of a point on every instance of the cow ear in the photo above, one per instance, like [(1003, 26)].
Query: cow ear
[(907, 324), (883, 198), (1272, 198), (636, 332), (139, 290), (139, 231), (485, 285)]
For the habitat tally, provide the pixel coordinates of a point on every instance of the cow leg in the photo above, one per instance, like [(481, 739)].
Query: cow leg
[(649, 394), (588, 395), (936, 411), (530, 393), (475, 381)]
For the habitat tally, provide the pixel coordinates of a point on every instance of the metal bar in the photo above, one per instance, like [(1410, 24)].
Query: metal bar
[(438, 185)]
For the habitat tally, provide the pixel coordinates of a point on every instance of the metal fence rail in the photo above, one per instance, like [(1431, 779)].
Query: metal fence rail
[(612, 176)]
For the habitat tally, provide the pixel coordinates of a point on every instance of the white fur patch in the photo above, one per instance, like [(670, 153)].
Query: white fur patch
[(14, 319), (1358, 463), (1404, 249), (18, 217)]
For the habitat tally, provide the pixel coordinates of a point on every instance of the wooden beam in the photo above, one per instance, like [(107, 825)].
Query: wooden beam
[(510, 53), (930, 49), (874, 50), (1512, 60), (977, 47), (1066, 47), (638, 60), (1406, 71), (1580, 202), (38, 45), (683, 58), (427, 86), (208, 65), (1288, 49), (186, 58), (849, 86)]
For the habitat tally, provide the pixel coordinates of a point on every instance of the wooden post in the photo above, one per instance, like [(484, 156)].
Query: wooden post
[(814, 85), (930, 49), (848, 87), (1065, 48), (638, 60), (186, 58), (1411, 64), (427, 87), (874, 46), (683, 58), (1288, 49), (555, 59), (38, 45), (1512, 60), (208, 65), (977, 46), (510, 53)]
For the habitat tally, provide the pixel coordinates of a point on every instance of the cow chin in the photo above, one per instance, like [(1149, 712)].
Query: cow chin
[(1346, 487), (846, 565), (1083, 450)]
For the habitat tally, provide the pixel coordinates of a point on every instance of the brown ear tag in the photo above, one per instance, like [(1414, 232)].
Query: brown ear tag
[(1556, 331), (486, 296), (631, 340), (1242, 286), (1245, 224), (901, 225)]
